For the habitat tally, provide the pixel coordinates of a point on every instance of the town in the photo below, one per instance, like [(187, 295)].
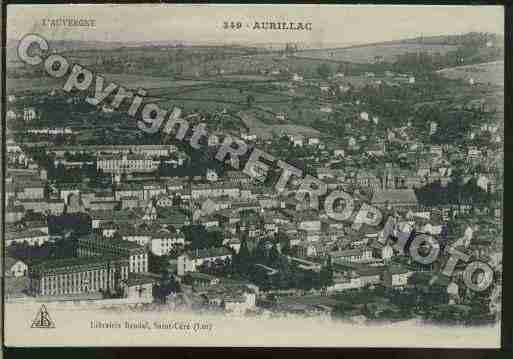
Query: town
[(98, 211)]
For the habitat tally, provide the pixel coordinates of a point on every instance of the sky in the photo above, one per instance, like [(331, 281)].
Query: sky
[(348, 24)]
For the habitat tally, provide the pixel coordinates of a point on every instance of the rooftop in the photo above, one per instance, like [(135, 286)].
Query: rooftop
[(395, 196), (24, 234), (73, 262), (112, 242), (139, 279), (209, 252)]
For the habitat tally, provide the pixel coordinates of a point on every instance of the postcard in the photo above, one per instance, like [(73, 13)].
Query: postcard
[(253, 175)]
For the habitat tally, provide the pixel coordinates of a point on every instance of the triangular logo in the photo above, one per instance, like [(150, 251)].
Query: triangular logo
[(42, 319)]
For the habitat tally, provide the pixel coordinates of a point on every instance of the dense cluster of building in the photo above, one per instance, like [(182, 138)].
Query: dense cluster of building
[(141, 218)]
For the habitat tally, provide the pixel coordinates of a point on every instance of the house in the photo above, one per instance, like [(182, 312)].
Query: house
[(484, 182), (395, 198), (383, 252), (37, 225), (189, 261), (269, 224), (309, 236), (175, 218), (29, 114), (297, 78), (14, 267), (129, 190), (326, 172), (343, 282), (297, 140), (108, 229), (436, 150), (200, 281), (370, 275), (174, 186), (304, 249), (282, 117), (357, 255), (240, 303), (473, 152), (364, 116), (209, 221), (163, 241), (100, 216), (214, 190), (152, 190), (139, 287), (237, 177), (212, 205), (365, 178), (228, 217), (313, 141), (309, 222), (30, 189), (396, 276), (54, 206), (325, 87), (213, 140), (376, 149), (338, 153), (135, 234), (247, 137), (233, 243), (10, 115), (433, 127), (31, 237)]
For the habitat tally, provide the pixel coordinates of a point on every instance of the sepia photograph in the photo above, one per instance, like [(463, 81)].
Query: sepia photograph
[(253, 175)]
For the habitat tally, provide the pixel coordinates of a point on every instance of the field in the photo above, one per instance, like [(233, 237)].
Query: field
[(492, 72), (41, 84), (366, 54), (265, 131), (148, 82)]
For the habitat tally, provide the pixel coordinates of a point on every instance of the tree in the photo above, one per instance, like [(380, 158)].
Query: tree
[(285, 274), (326, 274), (241, 260), (168, 285), (261, 253), (250, 99), (324, 70), (274, 255), (157, 264), (200, 238)]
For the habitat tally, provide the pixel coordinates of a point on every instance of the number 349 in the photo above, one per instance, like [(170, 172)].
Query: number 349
[(232, 25)]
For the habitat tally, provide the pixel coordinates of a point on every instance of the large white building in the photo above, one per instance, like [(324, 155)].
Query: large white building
[(163, 241), (126, 163), (215, 190)]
